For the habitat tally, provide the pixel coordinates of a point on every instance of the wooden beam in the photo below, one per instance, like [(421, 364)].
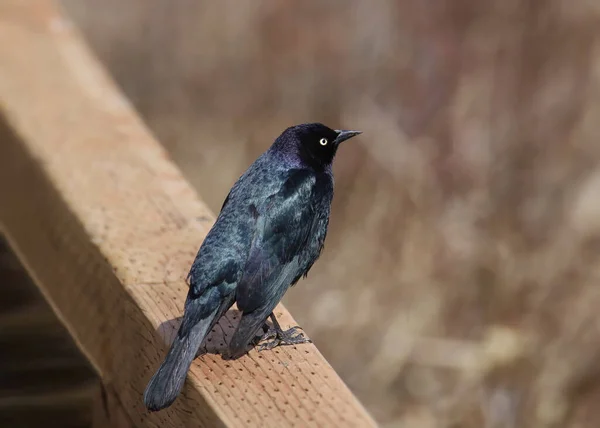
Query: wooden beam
[(108, 227)]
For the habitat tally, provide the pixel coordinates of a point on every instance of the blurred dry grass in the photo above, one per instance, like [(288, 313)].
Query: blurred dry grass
[(459, 286)]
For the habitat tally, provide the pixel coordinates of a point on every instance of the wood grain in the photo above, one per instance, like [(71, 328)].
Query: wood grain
[(108, 227)]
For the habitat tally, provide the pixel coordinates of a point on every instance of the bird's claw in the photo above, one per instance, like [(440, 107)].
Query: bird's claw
[(281, 337)]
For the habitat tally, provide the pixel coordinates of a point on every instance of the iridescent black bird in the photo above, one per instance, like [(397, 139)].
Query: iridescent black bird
[(270, 231)]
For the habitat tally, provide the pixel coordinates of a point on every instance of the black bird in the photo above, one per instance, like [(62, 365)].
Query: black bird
[(270, 231)]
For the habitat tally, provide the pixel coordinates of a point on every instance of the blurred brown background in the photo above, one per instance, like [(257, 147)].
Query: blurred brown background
[(459, 285)]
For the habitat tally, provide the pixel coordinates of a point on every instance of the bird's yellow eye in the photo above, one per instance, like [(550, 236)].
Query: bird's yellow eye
[(323, 141)]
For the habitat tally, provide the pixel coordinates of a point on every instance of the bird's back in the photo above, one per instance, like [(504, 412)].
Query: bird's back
[(230, 238)]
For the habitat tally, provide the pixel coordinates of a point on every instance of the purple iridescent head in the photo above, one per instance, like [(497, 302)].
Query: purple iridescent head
[(314, 142)]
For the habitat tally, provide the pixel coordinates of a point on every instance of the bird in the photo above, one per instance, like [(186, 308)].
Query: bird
[(269, 232)]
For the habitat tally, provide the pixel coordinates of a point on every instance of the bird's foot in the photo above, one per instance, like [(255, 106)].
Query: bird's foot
[(282, 337)]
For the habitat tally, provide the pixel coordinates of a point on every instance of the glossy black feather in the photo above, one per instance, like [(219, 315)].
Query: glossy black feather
[(290, 229), (270, 231)]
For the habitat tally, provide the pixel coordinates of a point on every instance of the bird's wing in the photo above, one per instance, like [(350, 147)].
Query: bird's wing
[(283, 227)]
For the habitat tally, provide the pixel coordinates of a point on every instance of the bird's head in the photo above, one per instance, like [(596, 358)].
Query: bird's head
[(315, 143)]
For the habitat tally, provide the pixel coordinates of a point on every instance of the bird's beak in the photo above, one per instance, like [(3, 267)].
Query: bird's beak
[(344, 135)]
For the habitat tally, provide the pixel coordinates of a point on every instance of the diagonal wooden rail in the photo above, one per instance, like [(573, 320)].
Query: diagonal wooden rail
[(107, 227)]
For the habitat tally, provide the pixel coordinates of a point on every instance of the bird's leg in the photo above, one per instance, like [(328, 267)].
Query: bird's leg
[(268, 333), (280, 337)]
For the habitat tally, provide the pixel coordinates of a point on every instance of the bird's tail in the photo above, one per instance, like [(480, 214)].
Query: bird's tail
[(167, 382)]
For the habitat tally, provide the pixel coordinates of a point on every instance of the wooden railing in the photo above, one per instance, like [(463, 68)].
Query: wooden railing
[(108, 227)]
